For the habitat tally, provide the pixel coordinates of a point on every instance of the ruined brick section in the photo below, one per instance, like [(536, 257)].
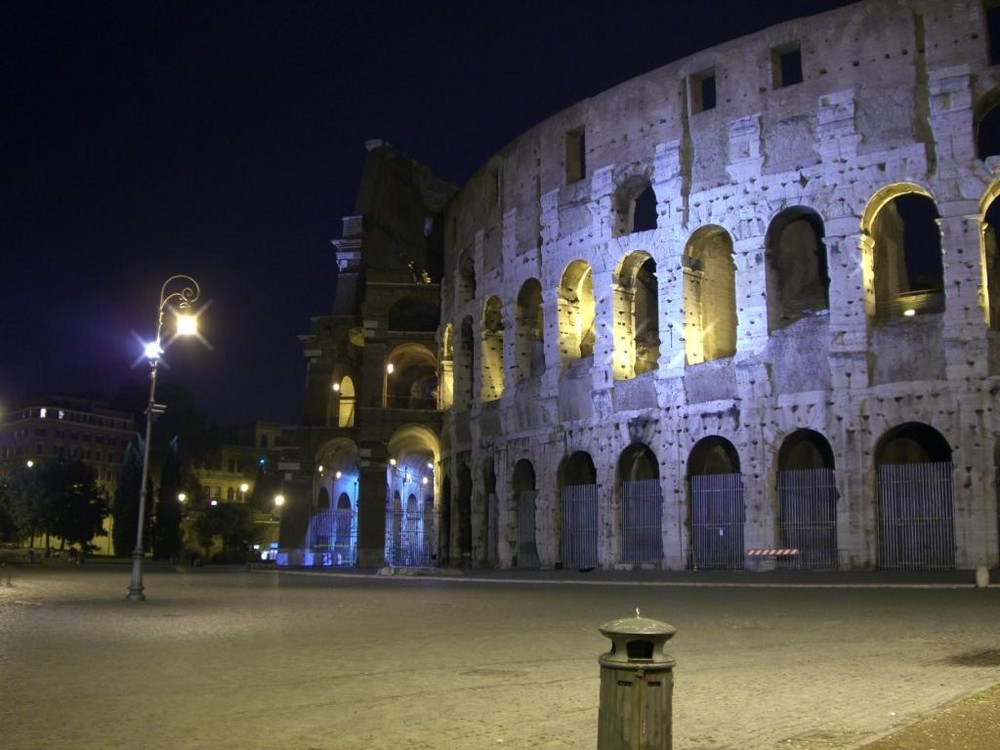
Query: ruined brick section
[(786, 310)]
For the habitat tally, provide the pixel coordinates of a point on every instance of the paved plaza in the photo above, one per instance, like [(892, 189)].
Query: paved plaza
[(260, 659)]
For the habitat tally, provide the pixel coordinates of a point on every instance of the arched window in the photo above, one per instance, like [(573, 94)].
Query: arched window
[(798, 280), (637, 333), (634, 206), (529, 331), (491, 377), (345, 411), (709, 296), (576, 312)]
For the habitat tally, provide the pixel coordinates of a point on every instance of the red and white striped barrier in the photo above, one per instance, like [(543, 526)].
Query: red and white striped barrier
[(772, 552)]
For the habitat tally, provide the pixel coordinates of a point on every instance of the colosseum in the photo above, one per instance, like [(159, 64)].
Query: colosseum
[(740, 312)]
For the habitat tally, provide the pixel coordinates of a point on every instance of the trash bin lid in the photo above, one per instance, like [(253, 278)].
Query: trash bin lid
[(637, 639)]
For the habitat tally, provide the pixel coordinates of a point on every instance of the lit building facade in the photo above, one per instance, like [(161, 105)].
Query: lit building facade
[(738, 312)]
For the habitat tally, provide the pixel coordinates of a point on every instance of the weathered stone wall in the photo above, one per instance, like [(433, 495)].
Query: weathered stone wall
[(888, 104)]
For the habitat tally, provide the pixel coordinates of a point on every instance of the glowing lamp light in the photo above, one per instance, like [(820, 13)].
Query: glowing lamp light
[(909, 312), (181, 497), (390, 368), (279, 500), (339, 475), (244, 487), (336, 387), (153, 350), (215, 502), (392, 462), (187, 324), (424, 480)]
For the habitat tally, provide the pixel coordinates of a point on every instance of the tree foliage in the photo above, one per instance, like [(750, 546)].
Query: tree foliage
[(125, 507), (58, 497), (232, 524), (166, 531)]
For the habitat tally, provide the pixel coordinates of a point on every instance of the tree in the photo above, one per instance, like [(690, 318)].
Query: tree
[(8, 529), (233, 524), (125, 507), (166, 531), (77, 505)]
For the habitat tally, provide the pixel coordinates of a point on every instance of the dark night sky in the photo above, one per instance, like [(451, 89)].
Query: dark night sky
[(225, 140)]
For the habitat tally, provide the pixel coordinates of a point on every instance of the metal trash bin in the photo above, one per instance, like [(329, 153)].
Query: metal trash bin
[(637, 683)]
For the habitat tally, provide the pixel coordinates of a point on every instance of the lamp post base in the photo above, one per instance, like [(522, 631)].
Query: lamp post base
[(135, 588)]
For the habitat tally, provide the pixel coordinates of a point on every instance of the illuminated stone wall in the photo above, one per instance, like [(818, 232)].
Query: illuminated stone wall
[(788, 328)]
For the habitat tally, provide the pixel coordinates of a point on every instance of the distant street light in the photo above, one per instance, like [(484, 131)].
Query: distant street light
[(243, 492), (186, 324), (279, 500)]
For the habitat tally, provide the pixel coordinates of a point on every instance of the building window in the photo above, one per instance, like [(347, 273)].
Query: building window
[(786, 65), (702, 87), (576, 160)]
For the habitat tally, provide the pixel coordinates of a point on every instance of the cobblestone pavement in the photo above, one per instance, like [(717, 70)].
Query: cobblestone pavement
[(257, 659)]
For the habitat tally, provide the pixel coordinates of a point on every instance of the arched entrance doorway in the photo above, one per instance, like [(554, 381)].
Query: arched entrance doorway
[(640, 520), (718, 510), (916, 526), (807, 501), (525, 499), (578, 528)]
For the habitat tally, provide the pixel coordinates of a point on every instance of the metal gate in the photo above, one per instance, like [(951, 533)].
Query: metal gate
[(332, 538), (408, 538), (916, 524), (527, 549), (579, 526), (718, 514), (807, 518), (641, 539), (491, 528)]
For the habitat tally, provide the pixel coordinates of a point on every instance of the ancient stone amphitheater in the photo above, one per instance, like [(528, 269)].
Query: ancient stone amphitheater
[(739, 312)]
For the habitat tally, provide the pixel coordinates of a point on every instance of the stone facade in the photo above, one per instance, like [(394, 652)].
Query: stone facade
[(746, 301)]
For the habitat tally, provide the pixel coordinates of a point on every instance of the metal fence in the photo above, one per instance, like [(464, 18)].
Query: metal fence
[(807, 518), (916, 525), (332, 538), (579, 526), (527, 549), (641, 538), (409, 539), (718, 513)]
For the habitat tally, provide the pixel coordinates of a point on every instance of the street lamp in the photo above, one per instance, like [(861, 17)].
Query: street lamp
[(243, 492), (186, 325)]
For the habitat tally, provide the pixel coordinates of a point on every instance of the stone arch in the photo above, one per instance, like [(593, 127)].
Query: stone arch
[(901, 253), (331, 539), (466, 277), (636, 315), (798, 279), (577, 312), (640, 507), (411, 378), (916, 528), (491, 359), (413, 451), (989, 256), (717, 508), (578, 513), (522, 522), (529, 327), (323, 499), (634, 206), (807, 501), (710, 318)]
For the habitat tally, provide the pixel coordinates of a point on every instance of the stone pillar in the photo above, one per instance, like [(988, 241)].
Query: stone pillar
[(372, 499)]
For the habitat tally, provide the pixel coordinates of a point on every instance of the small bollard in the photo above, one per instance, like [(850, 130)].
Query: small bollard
[(637, 683)]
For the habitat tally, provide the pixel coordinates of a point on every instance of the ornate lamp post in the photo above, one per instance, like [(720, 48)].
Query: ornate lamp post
[(186, 325)]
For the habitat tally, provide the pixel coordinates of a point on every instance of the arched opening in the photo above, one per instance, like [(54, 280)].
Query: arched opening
[(411, 378), (717, 506), (916, 504), (529, 331), (346, 401), (578, 518), (798, 280), (990, 260), (524, 500), (637, 329), (709, 296), (902, 252), (491, 512), (466, 278), (807, 501), (491, 376), (641, 512), (412, 455), (331, 539), (634, 206), (576, 312)]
